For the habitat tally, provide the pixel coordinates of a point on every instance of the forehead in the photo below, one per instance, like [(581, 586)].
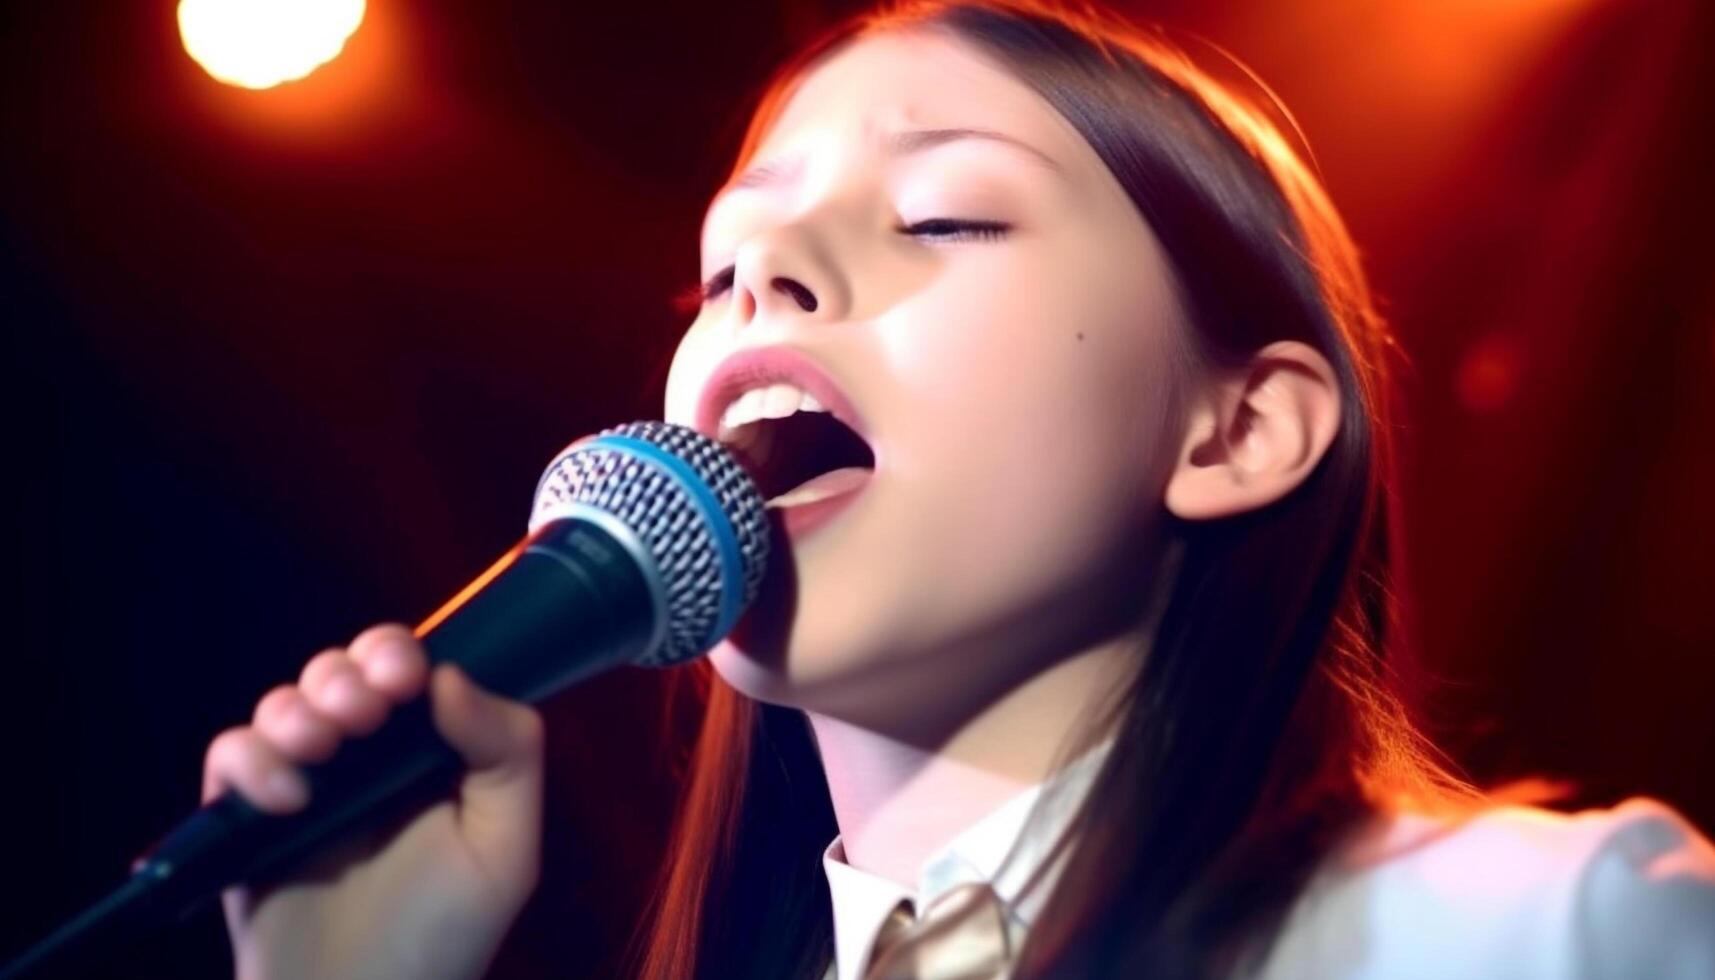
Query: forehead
[(921, 79)]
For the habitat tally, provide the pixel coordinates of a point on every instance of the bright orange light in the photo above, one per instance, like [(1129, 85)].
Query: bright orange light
[(261, 43)]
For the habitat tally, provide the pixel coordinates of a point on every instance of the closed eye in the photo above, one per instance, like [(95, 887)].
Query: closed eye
[(957, 229), (934, 229), (718, 283), (694, 297)]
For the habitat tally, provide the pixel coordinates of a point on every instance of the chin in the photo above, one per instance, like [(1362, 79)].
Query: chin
[(763, 678), (757, 678)]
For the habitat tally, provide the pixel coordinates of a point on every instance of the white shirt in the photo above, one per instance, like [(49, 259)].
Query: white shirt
[(862, 900), (1514, 893)]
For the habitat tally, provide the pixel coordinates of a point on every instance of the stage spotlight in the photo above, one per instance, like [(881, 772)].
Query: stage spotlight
[(261, 43)]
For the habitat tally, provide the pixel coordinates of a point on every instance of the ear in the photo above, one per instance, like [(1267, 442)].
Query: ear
[(1254, 435)]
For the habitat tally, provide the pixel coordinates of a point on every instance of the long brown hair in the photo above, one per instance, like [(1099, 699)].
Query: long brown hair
[(1262, 725)]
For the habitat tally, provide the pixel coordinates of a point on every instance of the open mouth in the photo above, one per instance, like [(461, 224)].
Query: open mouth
[(802, 458)]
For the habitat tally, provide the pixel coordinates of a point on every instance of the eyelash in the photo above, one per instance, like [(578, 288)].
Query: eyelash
[(939, 229)]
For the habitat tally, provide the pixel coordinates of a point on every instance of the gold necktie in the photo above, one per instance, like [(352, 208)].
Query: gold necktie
[(961, 936)]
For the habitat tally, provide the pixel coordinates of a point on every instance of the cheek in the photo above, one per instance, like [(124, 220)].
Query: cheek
[(1055, 354), (688, 368), (1025, 438)]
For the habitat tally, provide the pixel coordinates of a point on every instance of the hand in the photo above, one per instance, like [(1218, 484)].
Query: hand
[(430, 898)]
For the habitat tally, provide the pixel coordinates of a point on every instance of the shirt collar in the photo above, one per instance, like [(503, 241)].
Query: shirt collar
[(862, 901)]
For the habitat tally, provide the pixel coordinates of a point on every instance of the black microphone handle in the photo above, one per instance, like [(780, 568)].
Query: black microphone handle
[(567, 602)]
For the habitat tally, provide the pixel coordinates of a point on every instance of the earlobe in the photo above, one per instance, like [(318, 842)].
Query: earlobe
[(1254, 436)]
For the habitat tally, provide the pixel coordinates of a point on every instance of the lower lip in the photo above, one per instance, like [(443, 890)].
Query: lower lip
[(801, 519)]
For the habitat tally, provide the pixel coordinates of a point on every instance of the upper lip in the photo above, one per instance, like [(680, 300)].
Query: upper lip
[(758, 366)]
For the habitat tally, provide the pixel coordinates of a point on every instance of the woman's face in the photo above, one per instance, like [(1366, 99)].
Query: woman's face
[(1011, 375)]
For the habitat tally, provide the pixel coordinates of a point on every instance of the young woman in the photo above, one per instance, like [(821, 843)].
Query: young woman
[(1085, 675)]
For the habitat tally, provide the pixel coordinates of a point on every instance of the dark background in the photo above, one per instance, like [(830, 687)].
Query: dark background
[(285, 363)]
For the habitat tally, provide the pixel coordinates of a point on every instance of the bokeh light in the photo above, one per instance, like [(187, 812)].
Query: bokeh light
[(1488, 373), (262, 43)]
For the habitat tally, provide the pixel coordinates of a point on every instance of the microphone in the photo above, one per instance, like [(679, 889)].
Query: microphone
[(646, 542)]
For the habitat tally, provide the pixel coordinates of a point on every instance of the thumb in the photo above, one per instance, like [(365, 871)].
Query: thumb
[(500, 798)]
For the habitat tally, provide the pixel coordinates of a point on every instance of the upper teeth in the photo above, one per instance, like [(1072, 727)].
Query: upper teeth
[(775, 401)]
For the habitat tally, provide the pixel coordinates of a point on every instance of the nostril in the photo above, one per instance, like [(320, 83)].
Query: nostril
[(805, 299)]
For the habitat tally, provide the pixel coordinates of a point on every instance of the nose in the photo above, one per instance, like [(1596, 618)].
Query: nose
[(785, 274)]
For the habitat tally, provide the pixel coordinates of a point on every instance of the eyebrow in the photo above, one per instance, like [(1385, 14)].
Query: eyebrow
[(904, 144)]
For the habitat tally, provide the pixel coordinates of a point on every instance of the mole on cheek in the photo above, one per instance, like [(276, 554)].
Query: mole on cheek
[(1080, 335)]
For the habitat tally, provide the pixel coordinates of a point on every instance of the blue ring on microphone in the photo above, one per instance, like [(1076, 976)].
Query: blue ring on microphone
[(726, 539)]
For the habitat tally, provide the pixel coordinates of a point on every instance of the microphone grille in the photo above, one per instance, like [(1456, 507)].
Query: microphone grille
[(693, 508)]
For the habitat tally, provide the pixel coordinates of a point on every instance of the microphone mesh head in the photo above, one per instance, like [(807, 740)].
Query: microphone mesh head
[(678, 524)]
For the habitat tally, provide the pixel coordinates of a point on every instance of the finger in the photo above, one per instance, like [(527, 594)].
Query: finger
[(500, 797), (489, 731), (330, 661), (392, 661), (303, 734), (242, 760), (336, 689)]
